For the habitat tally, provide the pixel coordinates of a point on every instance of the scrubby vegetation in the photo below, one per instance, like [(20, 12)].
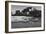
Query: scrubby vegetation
[(26, 12)]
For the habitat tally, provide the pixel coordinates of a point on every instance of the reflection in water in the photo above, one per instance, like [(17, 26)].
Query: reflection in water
[(25, 21)]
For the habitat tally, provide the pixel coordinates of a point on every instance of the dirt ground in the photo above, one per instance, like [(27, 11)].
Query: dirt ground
[(25, 22)]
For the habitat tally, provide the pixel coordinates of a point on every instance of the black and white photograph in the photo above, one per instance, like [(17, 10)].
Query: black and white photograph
[(25, 16)]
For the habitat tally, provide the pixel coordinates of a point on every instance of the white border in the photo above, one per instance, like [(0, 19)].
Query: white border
[(26, 29)]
